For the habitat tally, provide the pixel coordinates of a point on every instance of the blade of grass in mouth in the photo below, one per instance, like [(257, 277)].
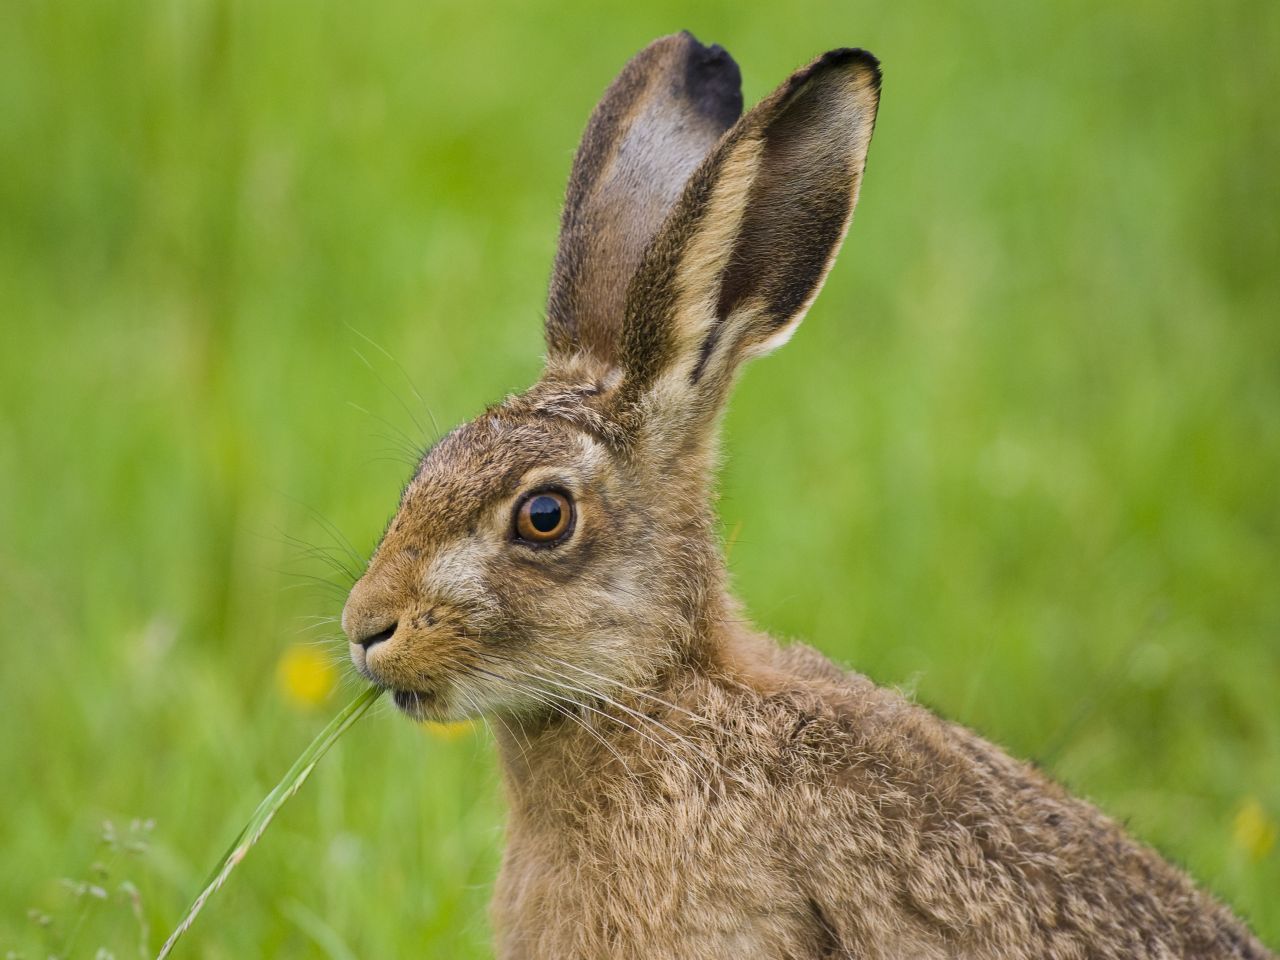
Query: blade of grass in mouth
[(274, 800)]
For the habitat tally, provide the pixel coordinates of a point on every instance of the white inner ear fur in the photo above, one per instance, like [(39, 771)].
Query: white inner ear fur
[(706, 259), (644, 165)]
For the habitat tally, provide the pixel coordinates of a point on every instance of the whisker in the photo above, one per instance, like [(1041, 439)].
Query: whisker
[(404, 447), (305, 550), (403, 372), (335, 533), (325, 555), (542, 697), (313, 582), (637, 730), (404, 439), (386, 386), (629, 689), (645, 718)]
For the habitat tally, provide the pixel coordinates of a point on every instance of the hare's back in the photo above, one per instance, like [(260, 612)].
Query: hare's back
[(903, 821)]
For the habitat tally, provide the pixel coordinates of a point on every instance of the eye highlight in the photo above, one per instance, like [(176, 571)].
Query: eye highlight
[(544, 518)]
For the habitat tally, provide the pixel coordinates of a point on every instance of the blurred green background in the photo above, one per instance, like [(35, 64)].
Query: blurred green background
[(1020, 461)]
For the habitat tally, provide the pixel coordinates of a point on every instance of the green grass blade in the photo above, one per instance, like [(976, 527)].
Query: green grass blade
[(257, 825)]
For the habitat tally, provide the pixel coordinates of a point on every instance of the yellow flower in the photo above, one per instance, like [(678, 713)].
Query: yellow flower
[(447, 731), (306, 676), (1254, 831)]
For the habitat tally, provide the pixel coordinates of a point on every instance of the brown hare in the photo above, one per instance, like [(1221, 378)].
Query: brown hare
[(680, 786)]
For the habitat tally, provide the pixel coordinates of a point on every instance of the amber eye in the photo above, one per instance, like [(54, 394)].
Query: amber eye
[(544, 517)]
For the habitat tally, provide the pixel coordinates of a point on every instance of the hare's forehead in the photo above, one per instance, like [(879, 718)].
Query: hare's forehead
[(488, 460)]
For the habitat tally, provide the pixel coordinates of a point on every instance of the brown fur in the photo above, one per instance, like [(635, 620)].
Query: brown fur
[(653, 126), (680, 786)]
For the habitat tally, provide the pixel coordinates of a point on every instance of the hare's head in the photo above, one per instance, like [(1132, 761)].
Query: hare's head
[(564, 538)]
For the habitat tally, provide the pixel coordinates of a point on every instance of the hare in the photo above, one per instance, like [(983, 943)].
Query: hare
[(679, 785)]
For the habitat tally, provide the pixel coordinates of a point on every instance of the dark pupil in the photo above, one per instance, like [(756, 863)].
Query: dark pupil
[(544, 514)]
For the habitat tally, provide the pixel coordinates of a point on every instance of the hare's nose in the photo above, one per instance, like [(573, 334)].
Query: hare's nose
[(366, 619), (374, 638)]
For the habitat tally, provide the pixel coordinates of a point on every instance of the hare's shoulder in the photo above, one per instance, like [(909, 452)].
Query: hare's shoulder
[(875, 788), (838, 726)]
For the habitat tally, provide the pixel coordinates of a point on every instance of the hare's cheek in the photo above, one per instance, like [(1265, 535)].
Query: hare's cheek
[(459, 576)]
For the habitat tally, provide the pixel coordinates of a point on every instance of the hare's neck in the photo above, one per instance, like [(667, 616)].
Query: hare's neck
[(559, 760), (560, 764)]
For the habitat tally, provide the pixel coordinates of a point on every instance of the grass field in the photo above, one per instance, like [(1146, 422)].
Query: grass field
[(1021, 459)]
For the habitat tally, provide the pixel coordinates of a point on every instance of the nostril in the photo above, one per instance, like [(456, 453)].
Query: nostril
[(373, 639)]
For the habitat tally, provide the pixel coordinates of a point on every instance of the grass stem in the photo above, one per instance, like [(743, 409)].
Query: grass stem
[(262, 816)]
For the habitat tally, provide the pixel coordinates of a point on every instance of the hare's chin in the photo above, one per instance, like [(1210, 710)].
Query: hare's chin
[(418, 704)]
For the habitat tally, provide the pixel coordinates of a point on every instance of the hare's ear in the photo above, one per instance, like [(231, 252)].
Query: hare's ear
[(655, 124), (752, 237)]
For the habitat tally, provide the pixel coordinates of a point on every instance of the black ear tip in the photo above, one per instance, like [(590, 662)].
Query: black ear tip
[(712, 80), (856, 59)]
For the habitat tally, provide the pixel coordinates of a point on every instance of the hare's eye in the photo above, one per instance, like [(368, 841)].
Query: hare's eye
[(544, 518)]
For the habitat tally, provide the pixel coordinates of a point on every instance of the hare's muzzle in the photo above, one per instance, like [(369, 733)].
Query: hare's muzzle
[(370, 620), (370, 639), (365, 620)]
